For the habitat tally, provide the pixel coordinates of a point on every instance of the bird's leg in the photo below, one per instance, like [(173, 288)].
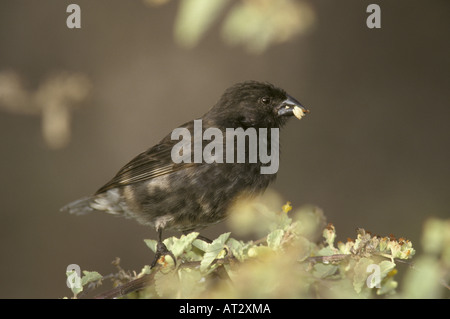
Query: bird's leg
[(161, 250), (205, 239)]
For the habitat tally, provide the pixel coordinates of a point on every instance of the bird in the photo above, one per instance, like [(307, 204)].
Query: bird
[(158, 189)]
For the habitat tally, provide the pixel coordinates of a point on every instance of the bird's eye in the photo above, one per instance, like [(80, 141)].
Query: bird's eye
[(265, 100)]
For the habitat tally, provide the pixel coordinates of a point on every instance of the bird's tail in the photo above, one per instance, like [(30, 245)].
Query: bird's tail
[(79, 207)]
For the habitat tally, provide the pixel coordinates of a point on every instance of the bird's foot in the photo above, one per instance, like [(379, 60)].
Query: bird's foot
[(161, 253)]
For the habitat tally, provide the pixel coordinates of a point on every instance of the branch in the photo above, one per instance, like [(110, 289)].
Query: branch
[(147, 280)]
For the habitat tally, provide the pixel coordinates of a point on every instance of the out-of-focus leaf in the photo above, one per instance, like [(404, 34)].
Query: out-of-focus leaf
[(53, 100), (303, 248), (166, 284), (388, 286), (192, 282), (155, 2), (259, 252), (310, 222), (258, 24), (424, 280), (434, 235), (257, 215), (361, 274), (194, 18)]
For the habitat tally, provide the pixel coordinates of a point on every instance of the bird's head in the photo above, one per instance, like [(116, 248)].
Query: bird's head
[(255, 104)]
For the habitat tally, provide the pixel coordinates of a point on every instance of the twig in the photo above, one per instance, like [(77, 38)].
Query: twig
[(129, 287), (327, 259), (147, 280)]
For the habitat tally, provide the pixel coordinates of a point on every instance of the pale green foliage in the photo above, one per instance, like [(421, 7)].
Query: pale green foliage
[(255, 25), (258, 24), (432, 269), (194, 18), (53, 100), (296, 256), (78, 283)]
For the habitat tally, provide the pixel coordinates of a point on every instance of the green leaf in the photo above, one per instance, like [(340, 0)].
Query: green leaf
[(324, 270), (175, 245), (146, 270), (326, 251), (213, 250), (283, 221), (200, 244), (151, 243), (239, 249), (178, 245), (74, 282), (90, 276), (274, 239), (386, 267)]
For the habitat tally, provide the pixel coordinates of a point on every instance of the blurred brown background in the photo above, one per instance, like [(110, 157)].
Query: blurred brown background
[(373, 153)]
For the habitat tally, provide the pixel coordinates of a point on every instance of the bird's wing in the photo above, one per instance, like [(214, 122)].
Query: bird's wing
[(152, 163)]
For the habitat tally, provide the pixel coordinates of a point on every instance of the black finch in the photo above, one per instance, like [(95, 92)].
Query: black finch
[(189, 195)]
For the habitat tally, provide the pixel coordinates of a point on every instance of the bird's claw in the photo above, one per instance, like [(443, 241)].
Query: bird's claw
[(161, 252)]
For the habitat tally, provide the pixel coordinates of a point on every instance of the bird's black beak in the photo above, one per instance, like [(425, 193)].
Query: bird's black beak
[(290, 107)]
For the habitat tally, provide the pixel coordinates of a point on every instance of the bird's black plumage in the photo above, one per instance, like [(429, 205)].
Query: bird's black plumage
[(156, 191)]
